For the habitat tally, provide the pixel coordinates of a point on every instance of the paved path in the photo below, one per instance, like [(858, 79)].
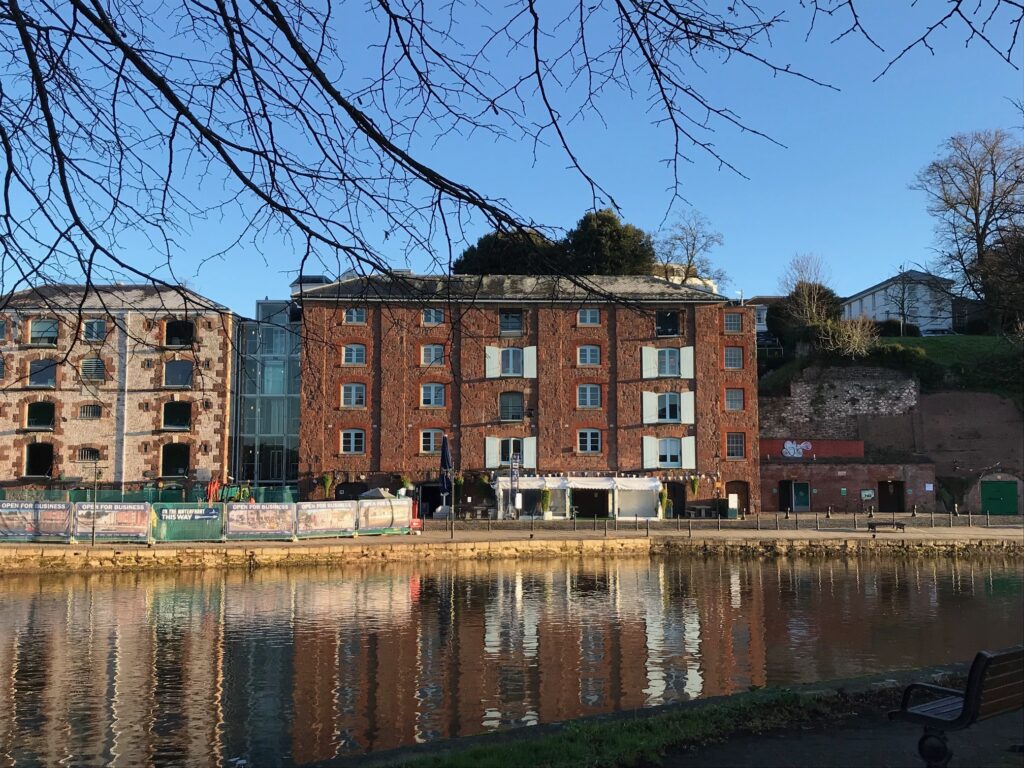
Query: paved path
[(864, 742)]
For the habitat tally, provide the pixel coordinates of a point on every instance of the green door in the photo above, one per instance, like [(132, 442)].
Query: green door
[(999, 497)]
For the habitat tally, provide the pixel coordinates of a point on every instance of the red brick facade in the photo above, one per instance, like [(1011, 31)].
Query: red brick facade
[(393, 418), (904, 484)]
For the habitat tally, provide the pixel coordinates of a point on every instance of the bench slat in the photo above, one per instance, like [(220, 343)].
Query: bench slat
[(941, 708), (1007, 703), (989, 691)]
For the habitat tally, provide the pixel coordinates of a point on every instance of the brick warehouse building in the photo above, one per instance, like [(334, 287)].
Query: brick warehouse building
[(629, 377), (132, 380)]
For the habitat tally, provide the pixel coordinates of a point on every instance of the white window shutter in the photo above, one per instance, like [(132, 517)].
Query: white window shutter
[(686, 362), (492, 452), (686, 407), (492, 364), (649, 362), (529, 362), (649, 407), (530, 452), (689, 456), (650, 452)]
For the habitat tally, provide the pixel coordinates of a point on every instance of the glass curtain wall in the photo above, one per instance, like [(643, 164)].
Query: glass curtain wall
[(268, 404)]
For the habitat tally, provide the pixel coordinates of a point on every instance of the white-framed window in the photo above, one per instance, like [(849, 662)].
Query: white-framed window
[(733, 322), (354, 354), (588, 396), (510, 321), (94, 330), (762, 316), (510, 406), (509, 446), (43, 332), (432, 354), (353, 395), (511, 361), (433, 316), (668, 406), (93, 369), (668, 362), (670, 452), (430, 440), (588, 316), (353, 441), (355, 316), (432, 395), (734, 399), (588, 440), (735, 445), (588, 354), (733, 358), (91, 411)]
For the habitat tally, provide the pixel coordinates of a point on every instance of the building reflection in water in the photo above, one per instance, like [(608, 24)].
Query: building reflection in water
[(306, 665)]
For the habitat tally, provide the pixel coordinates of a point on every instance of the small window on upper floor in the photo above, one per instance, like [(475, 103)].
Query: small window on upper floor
[(91, 411), (735, 445), (511, 361), (94, 330), (588, 396), (353, 395), (93, 369), (43, 332), (733, 322), (432, 354), (510, 406), (588, 355), (432, 395), (430, 440), (179, 333), (177, 416), (354, 354), (510, 322), (3, 367), (588, 317), (178, 373), (40, 416), (433, 316), (734, 399), (89, 455), (3, 330), (733, 358), (42, 373), (355, 316), (666, 323), (668, 362), (353, 441)]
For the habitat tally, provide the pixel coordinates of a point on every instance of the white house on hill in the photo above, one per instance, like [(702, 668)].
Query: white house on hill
[(915, 297)]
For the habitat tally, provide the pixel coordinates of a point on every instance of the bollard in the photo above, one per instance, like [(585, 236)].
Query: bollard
[(533, 522), (796, 519), (679, 523), (969, 520), (931, 515), (855, 519), (988, 519), (636, 523), (817, 525), (913, 511), (606, 527), (757, 521), (453, 524), (648, 527), (719, 522), (787, 512), (828, 512), (616, 523), (574, 523), (894, 519), (689, 527), (488, 523), (956, 510), (595, 523), (951, 518), (776, 521)]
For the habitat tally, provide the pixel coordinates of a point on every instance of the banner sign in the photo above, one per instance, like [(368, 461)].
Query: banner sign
[(179, 514), (325, 518), (124, 521), (260, 521), (24, 520), (513, 475), (380, 514)]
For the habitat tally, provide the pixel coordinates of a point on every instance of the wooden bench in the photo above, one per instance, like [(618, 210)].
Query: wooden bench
[(995, 686), (873, 526)]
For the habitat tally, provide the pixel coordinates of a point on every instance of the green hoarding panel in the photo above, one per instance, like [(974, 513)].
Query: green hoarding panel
[(999, 497), (188, 522)]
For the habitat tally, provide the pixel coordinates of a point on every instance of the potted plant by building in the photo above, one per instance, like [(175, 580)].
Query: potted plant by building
[(545, 503), (327, 481), (663, 502), (694, 485)]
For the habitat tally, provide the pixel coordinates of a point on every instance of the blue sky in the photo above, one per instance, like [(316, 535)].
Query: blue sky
[(839, 187)]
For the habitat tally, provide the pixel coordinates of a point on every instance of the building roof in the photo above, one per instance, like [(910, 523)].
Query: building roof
[(763, 301), (912, 276), (110, 298), (518, 288)]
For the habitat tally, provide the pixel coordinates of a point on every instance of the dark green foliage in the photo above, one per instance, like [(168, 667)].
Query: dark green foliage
[(511, 253), (892, 328), (976, 327)]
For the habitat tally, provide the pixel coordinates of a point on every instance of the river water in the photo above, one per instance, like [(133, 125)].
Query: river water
[(302, 665)]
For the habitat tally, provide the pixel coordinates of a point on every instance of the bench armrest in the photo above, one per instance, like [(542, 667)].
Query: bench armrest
[(926, 687)]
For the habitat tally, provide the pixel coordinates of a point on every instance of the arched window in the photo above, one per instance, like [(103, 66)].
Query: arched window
[(177, 416), (40, 416), (174, 458), (39, 460)]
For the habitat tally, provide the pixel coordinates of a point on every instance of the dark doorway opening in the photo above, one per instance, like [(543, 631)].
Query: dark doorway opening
[(430, 499), (742, 491), (891, 496), (174, 460), (39, 460), (677, 498), (349, 491), (590, 502)]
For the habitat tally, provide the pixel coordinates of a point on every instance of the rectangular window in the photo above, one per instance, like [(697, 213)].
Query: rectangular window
[(90, 412), (42, 373), (3, 330), (353, 441), (510, 406), (433, 316), (432, 395), (733, 358), (733, 322), (762, 316), (666, 323), (588, 396), (588, 317), (89, 454), (178, 373), (670, 451), (94, 330), (510, 446), (589, 440), (735, 445), (511, 362), (93, 369), (734, 400), (668, 362), (355, 354), (353, 395), (274, 377), (510, 322), (430, 441), (588, 355), (432, 354), (43, 333), (3, 367), (668, 406), (355, 316)]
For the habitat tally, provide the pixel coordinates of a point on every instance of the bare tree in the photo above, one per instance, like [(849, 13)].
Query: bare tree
[(113, 114), (684, 252), (902, 294), (849, 338), (975, 191), (809, 300)]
